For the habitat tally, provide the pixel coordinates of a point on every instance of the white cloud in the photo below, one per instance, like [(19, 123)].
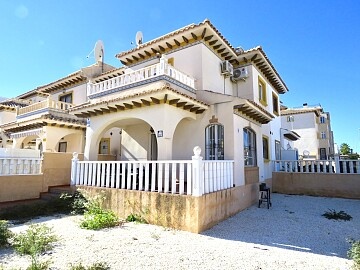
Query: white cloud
[(21, 12)]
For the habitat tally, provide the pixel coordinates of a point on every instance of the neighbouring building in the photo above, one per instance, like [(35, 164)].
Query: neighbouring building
[(313, 126)]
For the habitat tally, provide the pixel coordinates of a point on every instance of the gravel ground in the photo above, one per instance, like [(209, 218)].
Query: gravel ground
[(292, 234)]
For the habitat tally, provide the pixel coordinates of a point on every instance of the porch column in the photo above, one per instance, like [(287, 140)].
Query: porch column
[(90, 151)]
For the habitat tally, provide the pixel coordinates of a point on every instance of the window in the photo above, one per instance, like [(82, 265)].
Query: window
[(66, 98), (249, 147), (323, 135), (265, 142), (62, 147), (275, 100), (277, 150), (322, 119), (290, 118), (214, 142), (262, 91)]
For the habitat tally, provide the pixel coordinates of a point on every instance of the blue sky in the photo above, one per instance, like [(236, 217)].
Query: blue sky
[(314, 45)]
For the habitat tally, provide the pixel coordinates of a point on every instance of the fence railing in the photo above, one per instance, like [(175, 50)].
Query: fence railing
[(192, 177), (16, 166), (45, 104), (139, 75), (317, 166)]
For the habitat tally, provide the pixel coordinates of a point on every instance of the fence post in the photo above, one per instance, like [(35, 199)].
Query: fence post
[(337, 163), (198, 174), (74, 162)]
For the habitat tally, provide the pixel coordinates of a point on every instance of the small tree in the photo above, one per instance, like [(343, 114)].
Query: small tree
[(345, 149)]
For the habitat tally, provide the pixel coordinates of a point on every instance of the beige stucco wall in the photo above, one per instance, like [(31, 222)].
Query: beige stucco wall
[(24, 187), (328, 185), (194, 214), (56, 168)]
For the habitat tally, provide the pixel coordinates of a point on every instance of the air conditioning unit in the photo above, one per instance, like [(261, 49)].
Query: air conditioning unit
[(240, 73), (226, 68)]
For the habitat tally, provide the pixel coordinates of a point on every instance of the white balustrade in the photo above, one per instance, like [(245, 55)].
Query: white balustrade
[(16, 166), (138, 76), (317, 166), (45, 104), (192, 177)]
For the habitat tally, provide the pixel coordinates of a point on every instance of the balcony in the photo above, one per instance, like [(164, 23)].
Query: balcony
[(153, 73), (43, 107)]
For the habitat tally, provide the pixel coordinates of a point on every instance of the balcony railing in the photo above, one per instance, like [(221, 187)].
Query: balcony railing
[(140, 75), (44, 106)]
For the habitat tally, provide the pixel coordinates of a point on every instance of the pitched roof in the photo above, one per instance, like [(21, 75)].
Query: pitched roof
[(206, 33)]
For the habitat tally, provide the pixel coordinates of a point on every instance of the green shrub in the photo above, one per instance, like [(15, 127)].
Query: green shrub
[(36, 265), (341, 215), (135, 218), (76, 202), (35, 240), (95, 266), (95, 216), (354, 253), (5, 233)]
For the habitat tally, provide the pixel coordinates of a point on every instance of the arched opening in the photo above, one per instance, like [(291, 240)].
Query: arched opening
[(126, 140)]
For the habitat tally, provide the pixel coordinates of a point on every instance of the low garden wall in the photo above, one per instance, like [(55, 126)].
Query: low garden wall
[(317, 184), (183, 212)]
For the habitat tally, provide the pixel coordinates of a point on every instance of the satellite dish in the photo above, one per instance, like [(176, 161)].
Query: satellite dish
[(139, 38), (99, 51), (306, 153)]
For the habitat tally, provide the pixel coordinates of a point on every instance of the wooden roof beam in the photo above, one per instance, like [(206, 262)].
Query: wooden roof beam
[(194, 36), (155, 100), (254, 57), (193, 109), (180, 104), (208, 37), (147, 53), (161, 48), (128, 106), (200, 111), (120, 107), (169, 45), (97, 111), (217, 46), (177, 42), (145, 102), (137, 104), (105, 110), (188, 107), (211, 43), (185, 39), (174, 101), (203, 33), (112, 109)]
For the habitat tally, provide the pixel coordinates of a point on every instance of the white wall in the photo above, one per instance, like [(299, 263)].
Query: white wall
[(79, 94)]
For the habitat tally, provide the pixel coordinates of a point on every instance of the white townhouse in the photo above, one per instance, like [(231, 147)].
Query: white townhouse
[(188, 88)]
